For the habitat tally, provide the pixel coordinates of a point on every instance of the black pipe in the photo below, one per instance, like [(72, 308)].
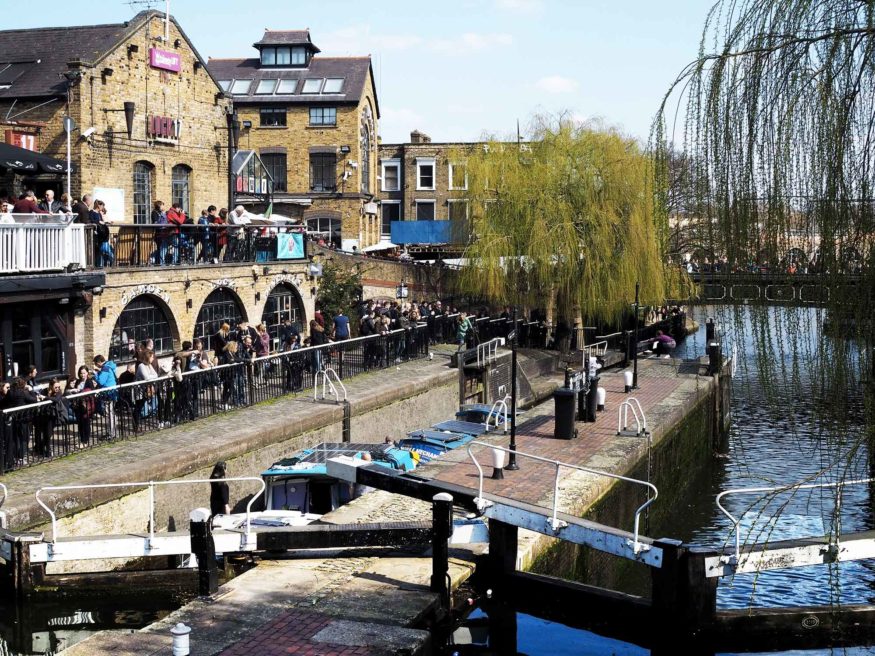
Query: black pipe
[(442, 526)]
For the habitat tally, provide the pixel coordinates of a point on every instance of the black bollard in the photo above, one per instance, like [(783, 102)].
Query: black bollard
[(581, 404), (203, 547), (715, 358), (564, 399), (709, 329), (592, 399), (442, 529)]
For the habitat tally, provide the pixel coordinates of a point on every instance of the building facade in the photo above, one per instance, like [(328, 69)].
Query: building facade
[(151, 122), (313, 121), (422, 181)]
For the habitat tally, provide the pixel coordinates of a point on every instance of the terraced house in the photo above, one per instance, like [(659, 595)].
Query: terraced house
[(313, 121)]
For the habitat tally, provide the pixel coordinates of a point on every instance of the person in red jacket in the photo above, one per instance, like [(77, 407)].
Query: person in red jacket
[(175, 218), (27, 204)]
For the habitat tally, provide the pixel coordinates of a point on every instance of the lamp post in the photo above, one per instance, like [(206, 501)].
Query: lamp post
[(635, 343), (233, 134), (69, 126), (511, 462)]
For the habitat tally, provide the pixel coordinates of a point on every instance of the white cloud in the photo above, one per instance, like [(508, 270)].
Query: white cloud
[(362, 40), (518, 6), (556, 84)]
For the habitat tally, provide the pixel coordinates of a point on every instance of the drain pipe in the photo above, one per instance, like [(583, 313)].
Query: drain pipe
[(347, 422)]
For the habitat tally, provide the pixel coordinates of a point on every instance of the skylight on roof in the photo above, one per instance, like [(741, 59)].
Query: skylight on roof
[(287, 86), (241, 87), (225, 84), (333, 85), (265, 86), (312, 86)]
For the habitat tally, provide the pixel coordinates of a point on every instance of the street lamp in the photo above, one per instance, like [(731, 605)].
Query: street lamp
[(69, 126), (512, 337), (635, 343)]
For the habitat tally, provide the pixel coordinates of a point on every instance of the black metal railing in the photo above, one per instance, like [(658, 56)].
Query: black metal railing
[(157, 245), (60, 426)]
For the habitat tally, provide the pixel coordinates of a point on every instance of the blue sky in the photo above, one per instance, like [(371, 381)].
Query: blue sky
[(457, 68)]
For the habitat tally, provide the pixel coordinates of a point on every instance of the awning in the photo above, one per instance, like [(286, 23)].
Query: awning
[(382, 246), (21, 160)]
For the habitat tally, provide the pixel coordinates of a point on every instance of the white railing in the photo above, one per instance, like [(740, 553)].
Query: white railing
[(637, 413), (500, 412), (246, 540), (328, 377), (33, 247), (554, 523), (488, 351), (596, 350)]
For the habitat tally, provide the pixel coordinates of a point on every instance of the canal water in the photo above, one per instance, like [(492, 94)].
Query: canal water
[(786, 428)]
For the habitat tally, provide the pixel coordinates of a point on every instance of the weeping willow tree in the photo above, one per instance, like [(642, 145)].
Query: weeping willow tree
[(774, 122), (564, 219)]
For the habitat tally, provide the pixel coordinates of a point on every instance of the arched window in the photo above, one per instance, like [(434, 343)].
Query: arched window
[(283, 302), (366, 140), (143, 318), (222, 305), (143, 172), (180, 191)]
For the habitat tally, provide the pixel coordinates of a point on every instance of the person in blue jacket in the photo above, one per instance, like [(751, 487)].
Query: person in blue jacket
[(105, 375)]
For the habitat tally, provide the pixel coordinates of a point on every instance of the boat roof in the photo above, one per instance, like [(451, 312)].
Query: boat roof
[(310, 462), (435, 436), (465, 427)]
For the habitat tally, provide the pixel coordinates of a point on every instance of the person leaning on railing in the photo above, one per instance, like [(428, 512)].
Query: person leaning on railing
[(16, 439), (105, 256), (6, 213)]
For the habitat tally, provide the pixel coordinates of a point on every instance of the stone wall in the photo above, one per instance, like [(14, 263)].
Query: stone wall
[(173, 287)]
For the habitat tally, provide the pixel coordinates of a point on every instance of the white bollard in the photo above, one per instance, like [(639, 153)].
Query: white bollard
[(601, 394), (627, 381), (497, 463), (181, 644)]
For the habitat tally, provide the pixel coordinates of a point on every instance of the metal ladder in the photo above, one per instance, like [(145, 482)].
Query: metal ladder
[(328, 385), (497, 407), (637, 413)]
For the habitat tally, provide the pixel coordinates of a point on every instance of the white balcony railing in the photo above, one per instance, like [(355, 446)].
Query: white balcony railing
[(35, 247)]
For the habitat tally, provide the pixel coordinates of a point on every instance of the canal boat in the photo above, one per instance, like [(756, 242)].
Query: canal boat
[(432, 442), (299, 490)]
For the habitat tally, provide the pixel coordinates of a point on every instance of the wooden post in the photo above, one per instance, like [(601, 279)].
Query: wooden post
[(204, 548), (684, 601), (442, 527), (502, 553)]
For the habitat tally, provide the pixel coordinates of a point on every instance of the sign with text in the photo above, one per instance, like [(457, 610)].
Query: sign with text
[(165, 60), (26, 140), (163, 128)]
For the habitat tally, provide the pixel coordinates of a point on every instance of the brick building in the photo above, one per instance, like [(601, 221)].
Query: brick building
[(152, 121), (422, 181), (313, 120), (152, 124)]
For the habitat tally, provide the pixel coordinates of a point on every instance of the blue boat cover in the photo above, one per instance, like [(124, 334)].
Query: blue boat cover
[(466, 427)]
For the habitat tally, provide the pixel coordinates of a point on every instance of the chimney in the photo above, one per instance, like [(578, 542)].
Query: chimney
[(419, 137)]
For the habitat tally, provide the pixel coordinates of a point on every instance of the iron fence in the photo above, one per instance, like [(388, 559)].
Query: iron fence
[(59, 426)]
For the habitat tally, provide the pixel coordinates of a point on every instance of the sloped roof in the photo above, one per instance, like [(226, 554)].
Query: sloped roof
[(286, 38), (36, 58), (353, 70)]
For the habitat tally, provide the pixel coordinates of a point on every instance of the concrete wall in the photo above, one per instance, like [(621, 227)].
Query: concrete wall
[(375, 419)]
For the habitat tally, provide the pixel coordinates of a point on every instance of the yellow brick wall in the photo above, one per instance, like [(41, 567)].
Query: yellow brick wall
[(107, 158), (174, 286), (297, 137)]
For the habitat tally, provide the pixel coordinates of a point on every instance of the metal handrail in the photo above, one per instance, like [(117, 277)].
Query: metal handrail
[(488, 351), (783, 488), (328, 384), (329, 372), (555, 523), (498, 405), (596, 349), (623, 416), (151, 485)]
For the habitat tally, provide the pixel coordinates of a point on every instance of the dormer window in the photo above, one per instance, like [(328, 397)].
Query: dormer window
[(284, 56)]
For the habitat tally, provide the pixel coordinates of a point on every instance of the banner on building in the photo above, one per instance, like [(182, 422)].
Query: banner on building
[(290, 246)]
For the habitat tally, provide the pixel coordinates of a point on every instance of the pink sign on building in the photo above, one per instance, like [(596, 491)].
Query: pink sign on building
[(168, 61)]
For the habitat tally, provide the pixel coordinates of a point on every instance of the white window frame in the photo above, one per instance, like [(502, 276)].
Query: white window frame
[(424, 201), (450, 168), (383, 203), (451, 201), (426, 161), (384, 164)]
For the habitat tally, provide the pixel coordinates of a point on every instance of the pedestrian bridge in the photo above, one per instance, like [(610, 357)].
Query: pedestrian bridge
[(770, 288)]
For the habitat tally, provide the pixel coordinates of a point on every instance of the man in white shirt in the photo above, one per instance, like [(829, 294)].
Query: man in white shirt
[(239, 216)]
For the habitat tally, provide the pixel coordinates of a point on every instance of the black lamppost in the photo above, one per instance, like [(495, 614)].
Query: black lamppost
[(635, 343), (233, 136), (511, 462)]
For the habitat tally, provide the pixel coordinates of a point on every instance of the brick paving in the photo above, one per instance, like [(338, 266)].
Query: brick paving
[(659, 381), (292, 633)]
